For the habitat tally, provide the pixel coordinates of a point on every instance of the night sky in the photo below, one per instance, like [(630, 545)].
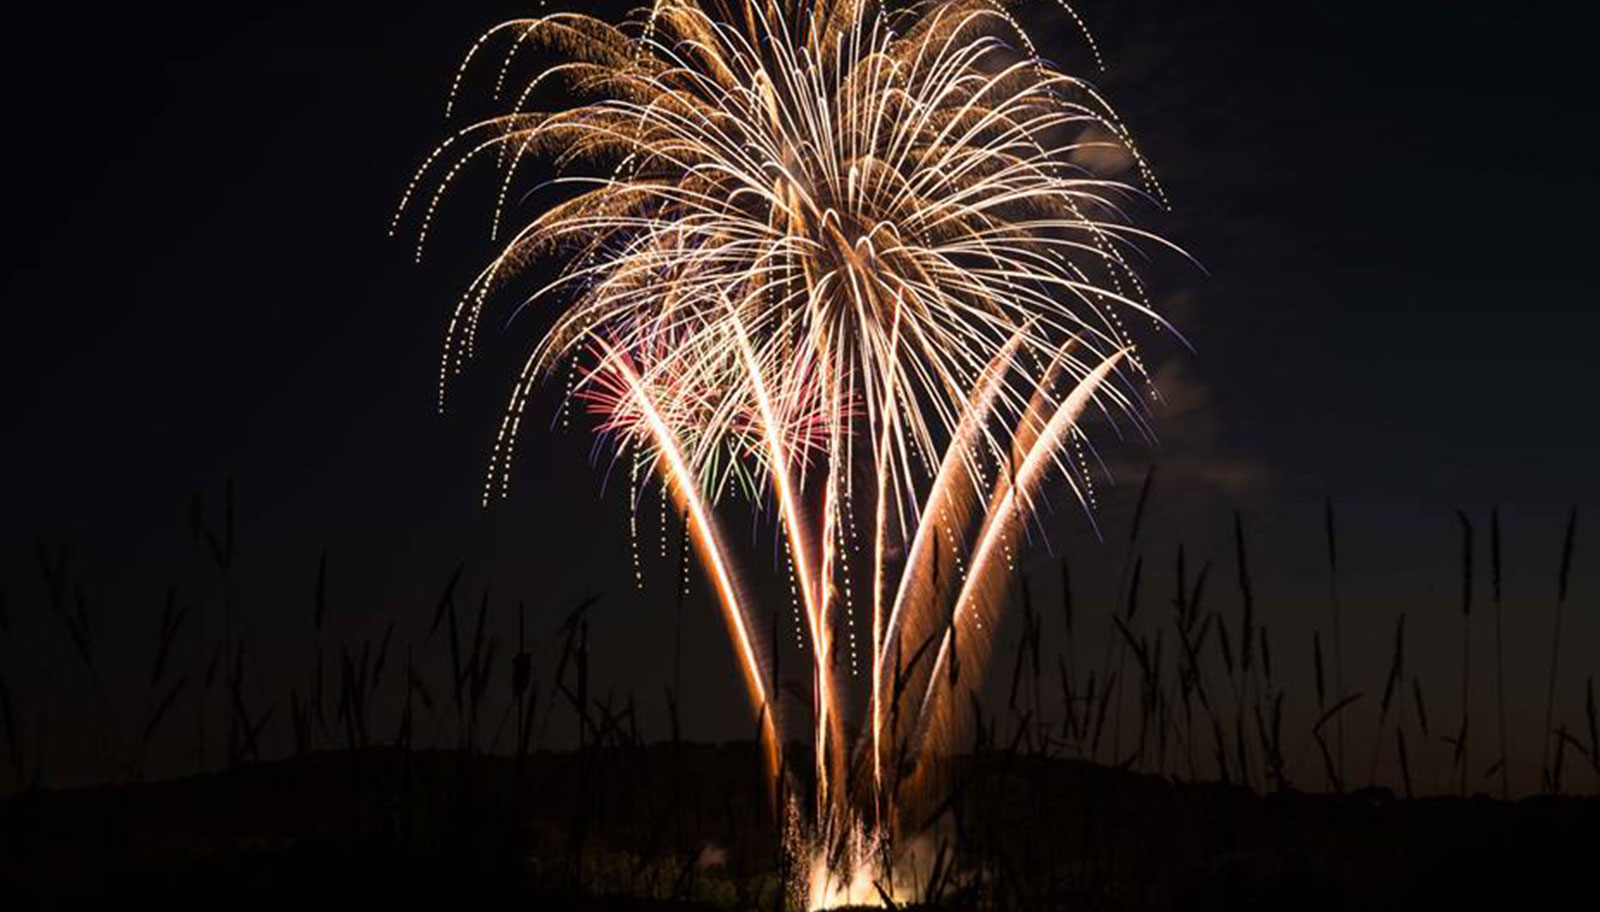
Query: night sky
[(1393, 205)]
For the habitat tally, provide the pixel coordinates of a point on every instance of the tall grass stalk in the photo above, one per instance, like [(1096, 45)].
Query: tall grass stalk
[(1499, 651), (1338, 638), (1562, 578), (1129, 562), (1397, 671)]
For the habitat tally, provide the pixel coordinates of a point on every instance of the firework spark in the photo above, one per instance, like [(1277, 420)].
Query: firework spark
[(826, 256)]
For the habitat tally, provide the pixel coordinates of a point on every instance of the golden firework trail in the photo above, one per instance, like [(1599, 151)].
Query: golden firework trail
[(826, 256)]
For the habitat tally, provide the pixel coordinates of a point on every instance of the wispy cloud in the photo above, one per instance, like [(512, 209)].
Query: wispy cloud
[(1196, 459)]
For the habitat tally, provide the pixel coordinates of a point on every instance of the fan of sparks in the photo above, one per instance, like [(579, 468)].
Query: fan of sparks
[(844, 260)]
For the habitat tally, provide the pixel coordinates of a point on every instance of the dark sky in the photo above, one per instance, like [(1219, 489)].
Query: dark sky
[(1393, 204)]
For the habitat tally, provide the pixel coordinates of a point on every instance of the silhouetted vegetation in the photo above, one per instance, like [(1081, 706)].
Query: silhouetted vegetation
[(453, 761)]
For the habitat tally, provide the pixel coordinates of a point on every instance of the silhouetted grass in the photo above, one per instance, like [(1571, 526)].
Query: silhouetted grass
[(1462, 753), (1563, 575), (1338, 639), (1206, 712)]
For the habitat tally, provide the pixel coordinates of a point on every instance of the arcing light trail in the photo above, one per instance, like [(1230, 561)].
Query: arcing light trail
[(833, 255)]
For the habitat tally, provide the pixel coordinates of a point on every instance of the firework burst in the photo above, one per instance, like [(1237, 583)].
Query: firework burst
[(837, 257)]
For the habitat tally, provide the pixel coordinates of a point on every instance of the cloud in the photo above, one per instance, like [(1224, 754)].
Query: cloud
[(1192, 452), (1101, 152)]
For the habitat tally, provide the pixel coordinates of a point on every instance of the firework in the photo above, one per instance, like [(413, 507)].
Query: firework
[(836, 258)]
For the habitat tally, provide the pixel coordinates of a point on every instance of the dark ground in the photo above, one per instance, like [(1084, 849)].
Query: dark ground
[(387, 828)]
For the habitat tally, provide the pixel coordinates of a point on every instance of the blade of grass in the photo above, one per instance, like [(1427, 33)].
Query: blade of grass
[(1562, 576), (1338, 637)]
